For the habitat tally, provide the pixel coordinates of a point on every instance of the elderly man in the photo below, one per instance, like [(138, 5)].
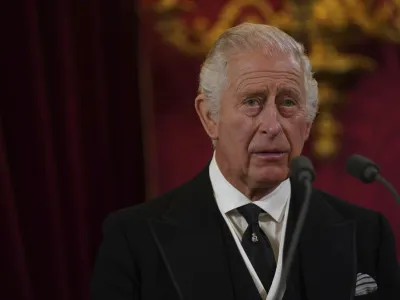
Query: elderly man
[(224, 234)]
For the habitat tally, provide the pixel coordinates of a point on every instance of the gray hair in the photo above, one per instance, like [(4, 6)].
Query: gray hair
[(247, 37)]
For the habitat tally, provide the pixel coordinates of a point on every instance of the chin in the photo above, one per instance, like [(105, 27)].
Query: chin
[(271, 176)]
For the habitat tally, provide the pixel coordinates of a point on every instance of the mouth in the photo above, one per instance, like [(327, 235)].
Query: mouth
[(270, 155)]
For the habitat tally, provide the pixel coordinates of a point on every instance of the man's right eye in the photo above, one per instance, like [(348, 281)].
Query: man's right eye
[(252, 102)]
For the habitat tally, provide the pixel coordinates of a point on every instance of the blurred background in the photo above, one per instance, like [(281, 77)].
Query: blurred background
[(97, 114)]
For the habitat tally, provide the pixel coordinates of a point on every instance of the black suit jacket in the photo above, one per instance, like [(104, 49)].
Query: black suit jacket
[(172, 248)]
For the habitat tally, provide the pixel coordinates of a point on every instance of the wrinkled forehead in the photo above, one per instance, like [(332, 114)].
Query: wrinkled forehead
[(258, 65)]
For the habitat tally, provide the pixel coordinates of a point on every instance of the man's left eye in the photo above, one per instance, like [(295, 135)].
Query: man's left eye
[(288, 102)]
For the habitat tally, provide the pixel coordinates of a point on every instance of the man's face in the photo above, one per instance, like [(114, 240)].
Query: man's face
[(262, 121)]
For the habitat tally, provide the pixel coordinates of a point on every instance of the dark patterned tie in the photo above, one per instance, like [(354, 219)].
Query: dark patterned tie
[(257, 246)]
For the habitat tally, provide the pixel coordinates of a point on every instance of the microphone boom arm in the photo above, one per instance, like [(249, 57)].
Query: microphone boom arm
[(390, 187), (297, 232)]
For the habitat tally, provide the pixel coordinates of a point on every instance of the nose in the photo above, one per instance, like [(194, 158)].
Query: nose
[(269, 120)]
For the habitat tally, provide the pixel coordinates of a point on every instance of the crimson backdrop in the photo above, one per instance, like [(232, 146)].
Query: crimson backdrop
[(71, 146), (369, 117)]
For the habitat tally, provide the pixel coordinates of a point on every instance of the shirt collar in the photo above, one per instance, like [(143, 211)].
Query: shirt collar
[(229, 198)]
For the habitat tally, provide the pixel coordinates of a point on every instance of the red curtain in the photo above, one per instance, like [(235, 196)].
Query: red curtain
[(369, 117), (70, 140), (71, 127)]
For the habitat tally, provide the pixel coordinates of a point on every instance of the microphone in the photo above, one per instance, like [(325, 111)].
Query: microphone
[(367, 171), (302, 171)]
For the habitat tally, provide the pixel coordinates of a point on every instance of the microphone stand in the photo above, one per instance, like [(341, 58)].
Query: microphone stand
[(306, 179), (390, 187)]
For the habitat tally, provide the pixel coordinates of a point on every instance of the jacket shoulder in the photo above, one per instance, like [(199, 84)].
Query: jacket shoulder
[(365, 218), (150, 209), (348, 209), (155, 207), (160, 205)]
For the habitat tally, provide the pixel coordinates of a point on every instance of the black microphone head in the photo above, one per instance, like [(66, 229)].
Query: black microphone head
[(362, 168), (301, 168)]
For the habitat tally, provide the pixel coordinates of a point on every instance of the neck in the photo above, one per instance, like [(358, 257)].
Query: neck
[(255, 194)]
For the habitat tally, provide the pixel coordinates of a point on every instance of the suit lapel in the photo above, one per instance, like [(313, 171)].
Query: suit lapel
[(189, 237), (326, 252)]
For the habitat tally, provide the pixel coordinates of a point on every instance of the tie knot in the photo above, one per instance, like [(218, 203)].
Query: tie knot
[(250, 212)]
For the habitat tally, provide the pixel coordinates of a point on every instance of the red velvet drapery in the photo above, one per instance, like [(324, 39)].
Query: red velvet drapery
[(70, 140)]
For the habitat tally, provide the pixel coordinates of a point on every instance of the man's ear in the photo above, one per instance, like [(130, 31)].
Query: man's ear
[(308, 130), (209, 123)]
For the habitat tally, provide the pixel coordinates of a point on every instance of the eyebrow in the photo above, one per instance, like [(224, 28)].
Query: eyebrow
[(253, 93), (264, 91), (291, 90)]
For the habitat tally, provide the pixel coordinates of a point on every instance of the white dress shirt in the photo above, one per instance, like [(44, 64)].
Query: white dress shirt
[(273, 222)]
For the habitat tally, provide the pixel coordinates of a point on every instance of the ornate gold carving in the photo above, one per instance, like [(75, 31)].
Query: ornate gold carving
[(325, 26)]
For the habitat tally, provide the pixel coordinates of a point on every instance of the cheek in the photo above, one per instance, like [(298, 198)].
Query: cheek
[(297, 132), (237, 131)]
